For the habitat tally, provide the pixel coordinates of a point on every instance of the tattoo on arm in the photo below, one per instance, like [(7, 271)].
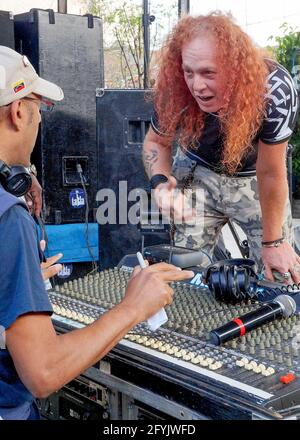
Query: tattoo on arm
[(149, 160)]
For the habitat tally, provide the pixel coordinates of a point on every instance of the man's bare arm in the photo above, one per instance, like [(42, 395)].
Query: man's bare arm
[(273, 195), (45, 361), (273, 188), (157, 154)]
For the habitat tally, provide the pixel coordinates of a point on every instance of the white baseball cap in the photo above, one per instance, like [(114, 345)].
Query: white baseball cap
[(18, 79)]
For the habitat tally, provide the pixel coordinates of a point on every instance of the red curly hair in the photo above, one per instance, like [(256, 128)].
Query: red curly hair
[(246, 73)]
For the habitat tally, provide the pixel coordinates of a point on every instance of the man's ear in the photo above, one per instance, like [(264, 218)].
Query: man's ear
[(17, 114)]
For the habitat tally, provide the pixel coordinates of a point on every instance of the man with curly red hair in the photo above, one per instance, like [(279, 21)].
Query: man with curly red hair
[(231, 109)]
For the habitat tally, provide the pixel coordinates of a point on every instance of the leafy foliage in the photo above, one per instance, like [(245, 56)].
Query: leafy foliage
[(123, 39)]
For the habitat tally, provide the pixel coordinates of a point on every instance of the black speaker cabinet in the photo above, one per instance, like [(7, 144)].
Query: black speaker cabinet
[(123, 118), (7, 36), (67, 50)]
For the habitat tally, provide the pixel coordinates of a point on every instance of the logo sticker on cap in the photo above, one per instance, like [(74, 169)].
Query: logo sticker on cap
[(18, 86)]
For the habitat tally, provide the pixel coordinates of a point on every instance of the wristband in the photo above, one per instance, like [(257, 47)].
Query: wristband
[(156, 179), (274, 243)]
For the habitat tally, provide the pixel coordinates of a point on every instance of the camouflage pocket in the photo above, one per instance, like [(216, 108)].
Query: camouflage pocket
[(182, 166)]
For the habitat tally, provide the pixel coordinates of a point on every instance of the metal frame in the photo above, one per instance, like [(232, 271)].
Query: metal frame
[(129, 393), (62, 6), (183, 7), (125, 392)]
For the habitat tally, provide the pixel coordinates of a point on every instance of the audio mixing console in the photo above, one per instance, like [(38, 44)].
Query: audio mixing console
[(176, 371)]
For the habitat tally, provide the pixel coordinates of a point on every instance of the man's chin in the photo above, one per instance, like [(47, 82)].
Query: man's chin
[(206, 108)]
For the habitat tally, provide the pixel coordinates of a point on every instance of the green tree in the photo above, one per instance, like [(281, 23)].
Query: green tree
[(284, 50), (123, 39)]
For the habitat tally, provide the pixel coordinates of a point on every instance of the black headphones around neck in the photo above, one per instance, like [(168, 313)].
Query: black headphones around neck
[(15, 179)]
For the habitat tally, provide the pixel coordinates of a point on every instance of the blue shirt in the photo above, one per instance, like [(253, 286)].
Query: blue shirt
[(22, 290)]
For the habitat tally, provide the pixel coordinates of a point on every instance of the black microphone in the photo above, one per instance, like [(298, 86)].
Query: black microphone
[(282, 305)]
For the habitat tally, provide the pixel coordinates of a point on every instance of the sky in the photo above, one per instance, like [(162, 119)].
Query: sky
[(19, 6), (259, 18)]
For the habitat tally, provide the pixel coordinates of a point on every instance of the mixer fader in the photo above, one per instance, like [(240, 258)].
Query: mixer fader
[(258, 373)]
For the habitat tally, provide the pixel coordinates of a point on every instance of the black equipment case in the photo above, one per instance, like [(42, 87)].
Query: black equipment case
[(7, 37), (123, 119), (67, 50)]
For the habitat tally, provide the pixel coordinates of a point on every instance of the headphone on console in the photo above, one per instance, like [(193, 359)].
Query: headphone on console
[(229, 280), (16, 179)]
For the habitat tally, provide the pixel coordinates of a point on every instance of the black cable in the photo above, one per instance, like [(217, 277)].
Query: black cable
[(187, 184), (40, 222), (205, 253), (39, 219), (82, 179)]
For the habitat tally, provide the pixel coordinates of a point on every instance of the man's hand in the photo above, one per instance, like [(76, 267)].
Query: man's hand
[(283, 259), (34, 197), (148, 290), (49, 268), (172, 202)]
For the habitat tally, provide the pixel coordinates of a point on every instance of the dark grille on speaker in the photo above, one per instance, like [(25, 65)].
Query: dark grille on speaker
[(123, 118), (67, 50)]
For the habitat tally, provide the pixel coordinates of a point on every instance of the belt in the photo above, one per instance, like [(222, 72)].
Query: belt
[(215, 169)]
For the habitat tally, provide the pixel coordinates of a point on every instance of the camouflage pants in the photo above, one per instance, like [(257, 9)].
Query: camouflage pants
[(222, 198)]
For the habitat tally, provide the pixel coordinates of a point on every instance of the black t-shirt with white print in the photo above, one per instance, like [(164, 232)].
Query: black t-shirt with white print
[(276, 128)]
